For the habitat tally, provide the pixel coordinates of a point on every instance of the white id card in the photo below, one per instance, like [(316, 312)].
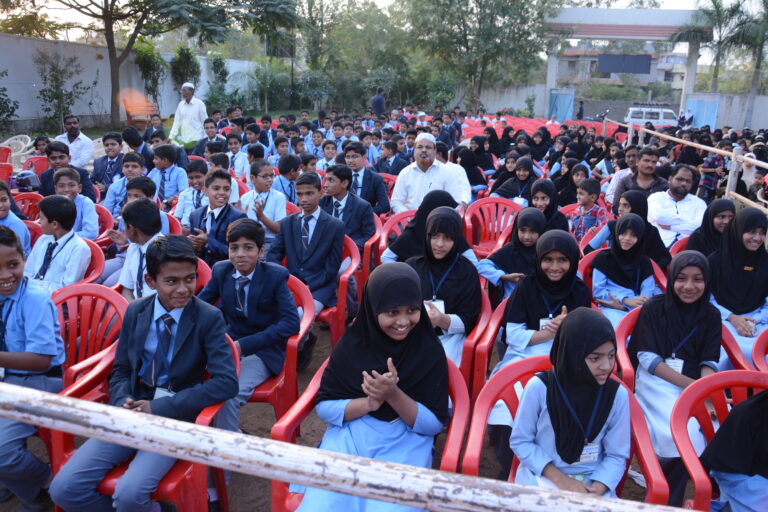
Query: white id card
[(439, 304), (590, 453), (162, 393), (544, 322), (674, 363)]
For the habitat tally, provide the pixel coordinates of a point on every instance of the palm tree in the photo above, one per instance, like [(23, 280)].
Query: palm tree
[(721, 18), (751, 33)]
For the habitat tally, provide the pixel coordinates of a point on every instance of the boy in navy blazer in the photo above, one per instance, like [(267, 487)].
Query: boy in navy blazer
[(366, 183), (259, 310), (108, 168), (355, 213), (132, 137), (168, 342), (208, 224)]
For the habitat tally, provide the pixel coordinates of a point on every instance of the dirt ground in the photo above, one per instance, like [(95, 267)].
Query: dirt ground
[(251, 494)]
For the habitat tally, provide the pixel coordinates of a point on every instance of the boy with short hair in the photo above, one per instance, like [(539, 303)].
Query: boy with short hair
[(238, 161), (221, 162), (211, 135), (281, 148), (67, 183), (208, 224), (338, 135), (172, 360), (589, 216), (289, 167), (354, 212), (155, 124), (252, 132), (32, 355), (263, 203), (9, 219), (258, 309), (757, 184), (133, 166), (315, 144), (267, 135), (192, 197), (142, 227), (308, 162), (132, 137), (59, 158), (169, 178), (108, 168), (366, 183), (297, 145), (349, 133), (60, 257), (329, 155)]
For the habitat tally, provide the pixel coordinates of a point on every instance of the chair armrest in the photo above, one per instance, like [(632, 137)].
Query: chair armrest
[(77, 370), (205, 418), (657, 489), (734, 351), (286, 427), (96, 377)]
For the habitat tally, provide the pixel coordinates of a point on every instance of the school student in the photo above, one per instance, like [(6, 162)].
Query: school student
[(329, 155), (220, 162), (108, 168), (740, 280), (622, 276), (60, 257), (133, 167), (676, 340), (572, 429), (258, 309), (238, 160), (568, 194), (354, 212), (634, 201), (132, 137), (737, 457), (209, 127), (289, 168), (66, 182), (281, 149), (192, 197), (31, 356), (544, 197), (10, 220), (208, 224), (366, 183), (589, 216), (169, 178), (264, 204), (390, 161), (142, 227), (510, 264), (518, 188), (58, 158), (717, 216), (450, 285), (172, 360), (384, 394), (535, 310)]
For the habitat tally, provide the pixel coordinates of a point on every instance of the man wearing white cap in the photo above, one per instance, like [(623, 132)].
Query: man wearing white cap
[(426, 174), (188, 121)]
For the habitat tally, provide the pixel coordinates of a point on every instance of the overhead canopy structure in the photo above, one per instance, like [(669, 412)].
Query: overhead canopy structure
[(624, 24)]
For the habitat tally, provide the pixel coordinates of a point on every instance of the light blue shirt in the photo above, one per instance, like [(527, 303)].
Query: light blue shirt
[(70, 260), (186, 203), (237, 275), (312, 222), (150, 345), (116, 192), (175, 180), (239, 163), (286, 187), (21, 230), (31, 323), (489, 270), (324, 164), (274, 208), (87, 220)]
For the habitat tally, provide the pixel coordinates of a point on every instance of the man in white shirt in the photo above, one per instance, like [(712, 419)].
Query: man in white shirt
[(188, 120), (676, 212), (426, 174), (80, 146)]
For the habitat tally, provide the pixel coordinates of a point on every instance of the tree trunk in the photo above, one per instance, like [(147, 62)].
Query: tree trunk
[(114, 74), (750, 108), (716, 71)]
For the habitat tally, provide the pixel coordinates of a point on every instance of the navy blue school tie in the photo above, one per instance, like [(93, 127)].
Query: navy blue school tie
[(355, 183), (160, 359), (242, 282), (291, 193), (198, 199), (305, 232), (139, 291), (337, 209), (161, 194), (46, 260)]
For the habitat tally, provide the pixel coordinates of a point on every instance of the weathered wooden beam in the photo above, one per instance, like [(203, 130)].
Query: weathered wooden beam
[(266, 458), (747, 201)]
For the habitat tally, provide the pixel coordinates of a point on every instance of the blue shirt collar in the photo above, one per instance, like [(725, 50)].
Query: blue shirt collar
[(158, 311)]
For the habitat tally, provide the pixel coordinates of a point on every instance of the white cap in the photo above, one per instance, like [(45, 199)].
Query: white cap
[(188, 85), (421, 114), (426, 136)]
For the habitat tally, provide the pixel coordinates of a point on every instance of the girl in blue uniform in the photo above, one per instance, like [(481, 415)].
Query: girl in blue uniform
[(544, 197), (384, 393), (572, 428), (717, 216)]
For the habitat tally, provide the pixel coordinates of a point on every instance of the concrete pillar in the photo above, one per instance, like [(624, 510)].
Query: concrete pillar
[(689, 81), (551, 77)]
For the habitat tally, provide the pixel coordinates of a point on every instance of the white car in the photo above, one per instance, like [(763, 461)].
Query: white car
[(656, 115)]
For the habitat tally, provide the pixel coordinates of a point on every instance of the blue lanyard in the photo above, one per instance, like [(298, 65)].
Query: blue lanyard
[(637, 282), (684, 341), (573, 412), (551, 310), (442, 279)]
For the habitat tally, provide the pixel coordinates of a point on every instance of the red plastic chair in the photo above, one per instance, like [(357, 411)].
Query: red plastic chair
[(39, 163), (204, 274), (394, 225), (568, 209), (585, 269), (483, 348), (287, 429), (35, 231), (759, 351), (5, 154), (242, 188), (97, 195), (6, 170), (691, 404), (185, 484), (282, 390), (291, 208), (174, 226), (96, 266), (468, 352), (389, 180), (485, 220), (336, 316), (369, 256), (621, 137), (195, 157), (678, 246), (27, 202), (502, 387), (588, 238), (106, 221)]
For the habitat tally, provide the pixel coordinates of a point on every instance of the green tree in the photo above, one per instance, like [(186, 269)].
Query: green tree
[(33, 24), (268, 82), (751, 33), (721, 18), (152, 67), (204, 20), (8, 106), (58, 92), (185, 67)]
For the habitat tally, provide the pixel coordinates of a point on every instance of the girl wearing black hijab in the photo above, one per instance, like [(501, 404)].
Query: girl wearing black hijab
[(518, 188), (740, 280), (544, 197), (384, 393), (506, 139), (484, 160), (572, 429), (450, 285), (507, 172), (569, 182), (507, 266), (737, 457), (635, 202), (676, 340), (622, 276), (467, 159), (494, 145), (539, 146), (411, 241), (706, 238), (534, 311)]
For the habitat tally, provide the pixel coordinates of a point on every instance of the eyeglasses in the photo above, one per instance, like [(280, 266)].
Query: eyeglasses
[(266, 176)]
